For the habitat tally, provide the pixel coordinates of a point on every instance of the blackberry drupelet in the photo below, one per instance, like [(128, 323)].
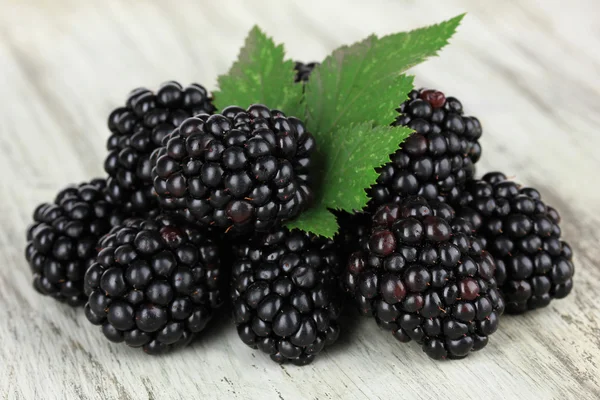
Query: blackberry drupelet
[(286, 299), (438, 158), (424, 277), (61, 242), (246, 169), (534, 265), (137, 129), (303, 70), (154, 283)]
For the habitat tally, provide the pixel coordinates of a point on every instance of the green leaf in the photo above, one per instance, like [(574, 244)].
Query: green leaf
[(346, 165), (260, 75), (360, 82), (348, 105), (318, 220)]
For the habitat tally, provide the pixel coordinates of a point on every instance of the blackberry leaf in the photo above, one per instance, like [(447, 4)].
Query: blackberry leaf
[(318, 220), (361, 82), (346, 162), (259, 75)]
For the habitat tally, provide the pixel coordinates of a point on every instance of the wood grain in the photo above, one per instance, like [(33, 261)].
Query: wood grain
[(528, 69)]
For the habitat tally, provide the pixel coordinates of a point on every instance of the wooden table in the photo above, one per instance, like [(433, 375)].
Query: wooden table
[(530, 70)]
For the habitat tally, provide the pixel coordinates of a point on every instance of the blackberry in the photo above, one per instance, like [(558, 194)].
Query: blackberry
[(534, 265), (61, 242), (137, 129), (286, 300), (247, 169), (303, 70), (154, 283), (425, 277), (438, 158)]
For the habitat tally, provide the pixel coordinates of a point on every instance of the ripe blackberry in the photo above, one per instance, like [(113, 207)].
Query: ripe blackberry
[(285, 296), (137, 129), (426, 278), (303, 70), (247, 169), (438, 158), (61, 242), (533, 265), (154, 283)]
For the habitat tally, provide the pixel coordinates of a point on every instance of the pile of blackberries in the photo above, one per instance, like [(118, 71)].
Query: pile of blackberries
[(190, 196)]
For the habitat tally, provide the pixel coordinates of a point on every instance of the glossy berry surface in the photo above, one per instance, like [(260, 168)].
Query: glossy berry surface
[(137, 129), (303, 71), (286, 300), (438, 158), (425, 277), (154, 283), (61, 242), (245, 169), (534, 265)]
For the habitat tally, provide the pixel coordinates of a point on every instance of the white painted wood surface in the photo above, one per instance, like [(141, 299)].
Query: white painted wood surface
[(529, 69)]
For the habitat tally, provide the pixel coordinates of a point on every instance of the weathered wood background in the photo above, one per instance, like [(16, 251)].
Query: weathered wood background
[(529, 69)]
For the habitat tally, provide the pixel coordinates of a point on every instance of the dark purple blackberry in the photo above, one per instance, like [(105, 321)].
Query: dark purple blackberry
[(425, 277), (303, 70), (154, 283), (61, 242), (137, 129), (533, 265), (286, 300), (436, 160), (246, 169)]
